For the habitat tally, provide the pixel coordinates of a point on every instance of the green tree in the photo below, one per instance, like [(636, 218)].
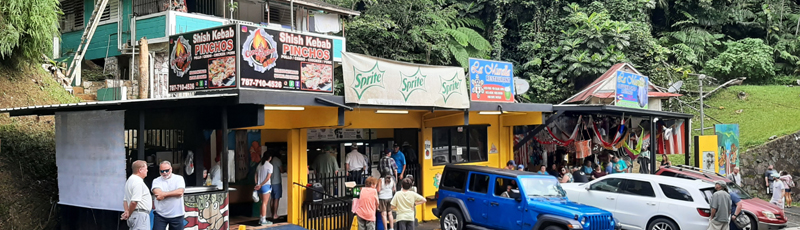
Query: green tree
[(27, 28), (748, 57)]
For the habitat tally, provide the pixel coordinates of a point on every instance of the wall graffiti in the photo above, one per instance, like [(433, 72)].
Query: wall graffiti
[(206, 211)]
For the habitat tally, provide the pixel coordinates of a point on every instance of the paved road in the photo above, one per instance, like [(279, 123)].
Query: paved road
[(793, 214)]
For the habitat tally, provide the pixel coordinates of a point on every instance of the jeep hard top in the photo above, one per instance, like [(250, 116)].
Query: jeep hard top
[(490, 198)]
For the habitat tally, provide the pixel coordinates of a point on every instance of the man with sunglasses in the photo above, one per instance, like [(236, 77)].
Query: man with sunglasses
[(168, 190)]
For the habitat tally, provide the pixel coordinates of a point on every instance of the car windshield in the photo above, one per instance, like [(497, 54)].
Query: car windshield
[(538, 187), (732, 187)]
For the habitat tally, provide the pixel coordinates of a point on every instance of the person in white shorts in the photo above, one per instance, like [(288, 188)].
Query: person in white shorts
[(264, 185)]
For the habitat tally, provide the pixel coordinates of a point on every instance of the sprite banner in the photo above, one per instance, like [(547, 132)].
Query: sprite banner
[(631, 90), (375, 81)]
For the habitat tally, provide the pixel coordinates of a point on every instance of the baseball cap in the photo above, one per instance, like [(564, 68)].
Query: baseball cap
[(387, 150), (511, 162), (520, 166)]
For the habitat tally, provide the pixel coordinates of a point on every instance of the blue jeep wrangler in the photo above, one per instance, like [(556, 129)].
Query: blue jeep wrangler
[(481, 197)]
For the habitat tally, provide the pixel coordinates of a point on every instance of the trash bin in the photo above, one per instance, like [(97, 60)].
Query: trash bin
[(378, 221)]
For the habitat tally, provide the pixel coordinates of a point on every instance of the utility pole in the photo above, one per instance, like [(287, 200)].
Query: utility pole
[(702, 114)]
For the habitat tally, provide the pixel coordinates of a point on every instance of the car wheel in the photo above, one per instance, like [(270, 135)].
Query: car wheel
[(662, 224), (753, 223), (451, 219), (553, 227)]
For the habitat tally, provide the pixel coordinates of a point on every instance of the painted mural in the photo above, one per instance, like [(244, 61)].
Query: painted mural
[(728, 144), (206, 211)]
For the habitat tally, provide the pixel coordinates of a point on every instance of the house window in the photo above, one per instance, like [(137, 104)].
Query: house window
[(278, 13), (145, 7), (459, 144), (72, 19), (111, 13)]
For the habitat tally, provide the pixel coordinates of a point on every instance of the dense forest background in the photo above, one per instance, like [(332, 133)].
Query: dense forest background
[(560, 46)]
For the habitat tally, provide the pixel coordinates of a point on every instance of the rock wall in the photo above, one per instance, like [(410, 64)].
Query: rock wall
[(783, 153), (132, 87)]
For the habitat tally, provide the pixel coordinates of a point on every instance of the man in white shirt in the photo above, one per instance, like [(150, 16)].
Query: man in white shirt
[(355, 163), (168, 189), (137, 202), (736, 177)]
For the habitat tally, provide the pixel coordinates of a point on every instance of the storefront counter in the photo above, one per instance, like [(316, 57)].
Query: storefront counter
[(206, 207)]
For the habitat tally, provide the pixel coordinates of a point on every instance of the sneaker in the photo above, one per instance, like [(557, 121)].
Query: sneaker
[(267, 222), (262, 222)]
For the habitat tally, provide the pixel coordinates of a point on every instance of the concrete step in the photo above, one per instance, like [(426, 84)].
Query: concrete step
[(77, 90), (87, 97)]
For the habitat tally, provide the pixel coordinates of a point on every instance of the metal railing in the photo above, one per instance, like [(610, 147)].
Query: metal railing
[(331, 213), (334, 183)]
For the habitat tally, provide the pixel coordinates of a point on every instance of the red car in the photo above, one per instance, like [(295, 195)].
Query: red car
[(769, 216)]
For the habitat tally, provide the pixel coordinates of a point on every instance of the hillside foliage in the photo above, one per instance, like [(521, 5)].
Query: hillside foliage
[(560, 46), (27, 29)]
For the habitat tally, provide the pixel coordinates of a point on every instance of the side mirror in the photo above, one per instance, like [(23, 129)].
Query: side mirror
[(586, 187)]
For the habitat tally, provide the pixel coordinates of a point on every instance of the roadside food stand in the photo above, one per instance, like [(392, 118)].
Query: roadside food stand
[(574, 133), (616, 114), (277, 93)]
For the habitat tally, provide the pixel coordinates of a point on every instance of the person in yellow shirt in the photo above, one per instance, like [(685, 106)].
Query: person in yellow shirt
[(405, 203)]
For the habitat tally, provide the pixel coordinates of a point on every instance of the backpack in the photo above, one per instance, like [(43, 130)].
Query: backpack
[(385, 166)]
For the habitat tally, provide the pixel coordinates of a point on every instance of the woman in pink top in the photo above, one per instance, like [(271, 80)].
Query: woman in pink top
[(367, 205)]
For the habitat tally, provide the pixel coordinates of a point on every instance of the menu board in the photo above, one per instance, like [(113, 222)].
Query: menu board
[(339, 134), (204, 59), (274, 59)]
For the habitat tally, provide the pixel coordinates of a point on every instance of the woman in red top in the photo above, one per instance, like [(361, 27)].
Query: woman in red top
[(367, 205)]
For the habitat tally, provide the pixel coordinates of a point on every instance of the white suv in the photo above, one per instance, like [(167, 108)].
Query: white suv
[(644, 201)]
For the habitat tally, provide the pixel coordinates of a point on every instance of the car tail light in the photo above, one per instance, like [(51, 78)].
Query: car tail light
[(437, 195), (704, 212)]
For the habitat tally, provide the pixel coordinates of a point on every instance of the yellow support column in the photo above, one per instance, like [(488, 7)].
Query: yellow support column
[(297, 161), (506, 148)]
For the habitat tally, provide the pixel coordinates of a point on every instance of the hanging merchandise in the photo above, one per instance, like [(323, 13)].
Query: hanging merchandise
[(621, 134), (583, 149), (673, 138), (558, 141), (634, 152), (189, 163)]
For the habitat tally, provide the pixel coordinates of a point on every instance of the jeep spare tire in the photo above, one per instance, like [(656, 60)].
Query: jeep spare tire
[(451, 219)]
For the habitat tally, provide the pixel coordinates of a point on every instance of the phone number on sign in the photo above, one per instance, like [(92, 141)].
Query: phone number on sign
[(261, 83), (181, 87)]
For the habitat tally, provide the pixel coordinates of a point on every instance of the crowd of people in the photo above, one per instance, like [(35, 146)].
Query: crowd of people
[(587, 172), (779, 185), (382, 195)]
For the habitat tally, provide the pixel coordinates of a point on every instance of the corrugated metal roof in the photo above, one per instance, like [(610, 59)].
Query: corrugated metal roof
[(86, 105)]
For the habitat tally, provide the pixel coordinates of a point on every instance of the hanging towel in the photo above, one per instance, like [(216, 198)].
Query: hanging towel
[(326, 23)]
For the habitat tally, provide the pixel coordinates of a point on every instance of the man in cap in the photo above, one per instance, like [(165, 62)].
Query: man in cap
[(387, 166), (326, 166), (400, 160), (355, 163), (510, 165), (720, 207), (777, 190), (768, 179), (521, 167), (410, 153)]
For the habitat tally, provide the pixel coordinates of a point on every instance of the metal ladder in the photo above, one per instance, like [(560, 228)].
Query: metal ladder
[(88, 33)]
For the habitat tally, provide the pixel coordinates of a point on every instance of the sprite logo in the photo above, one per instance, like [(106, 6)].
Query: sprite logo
[(451, 86), (412, 83), (367, 79)]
